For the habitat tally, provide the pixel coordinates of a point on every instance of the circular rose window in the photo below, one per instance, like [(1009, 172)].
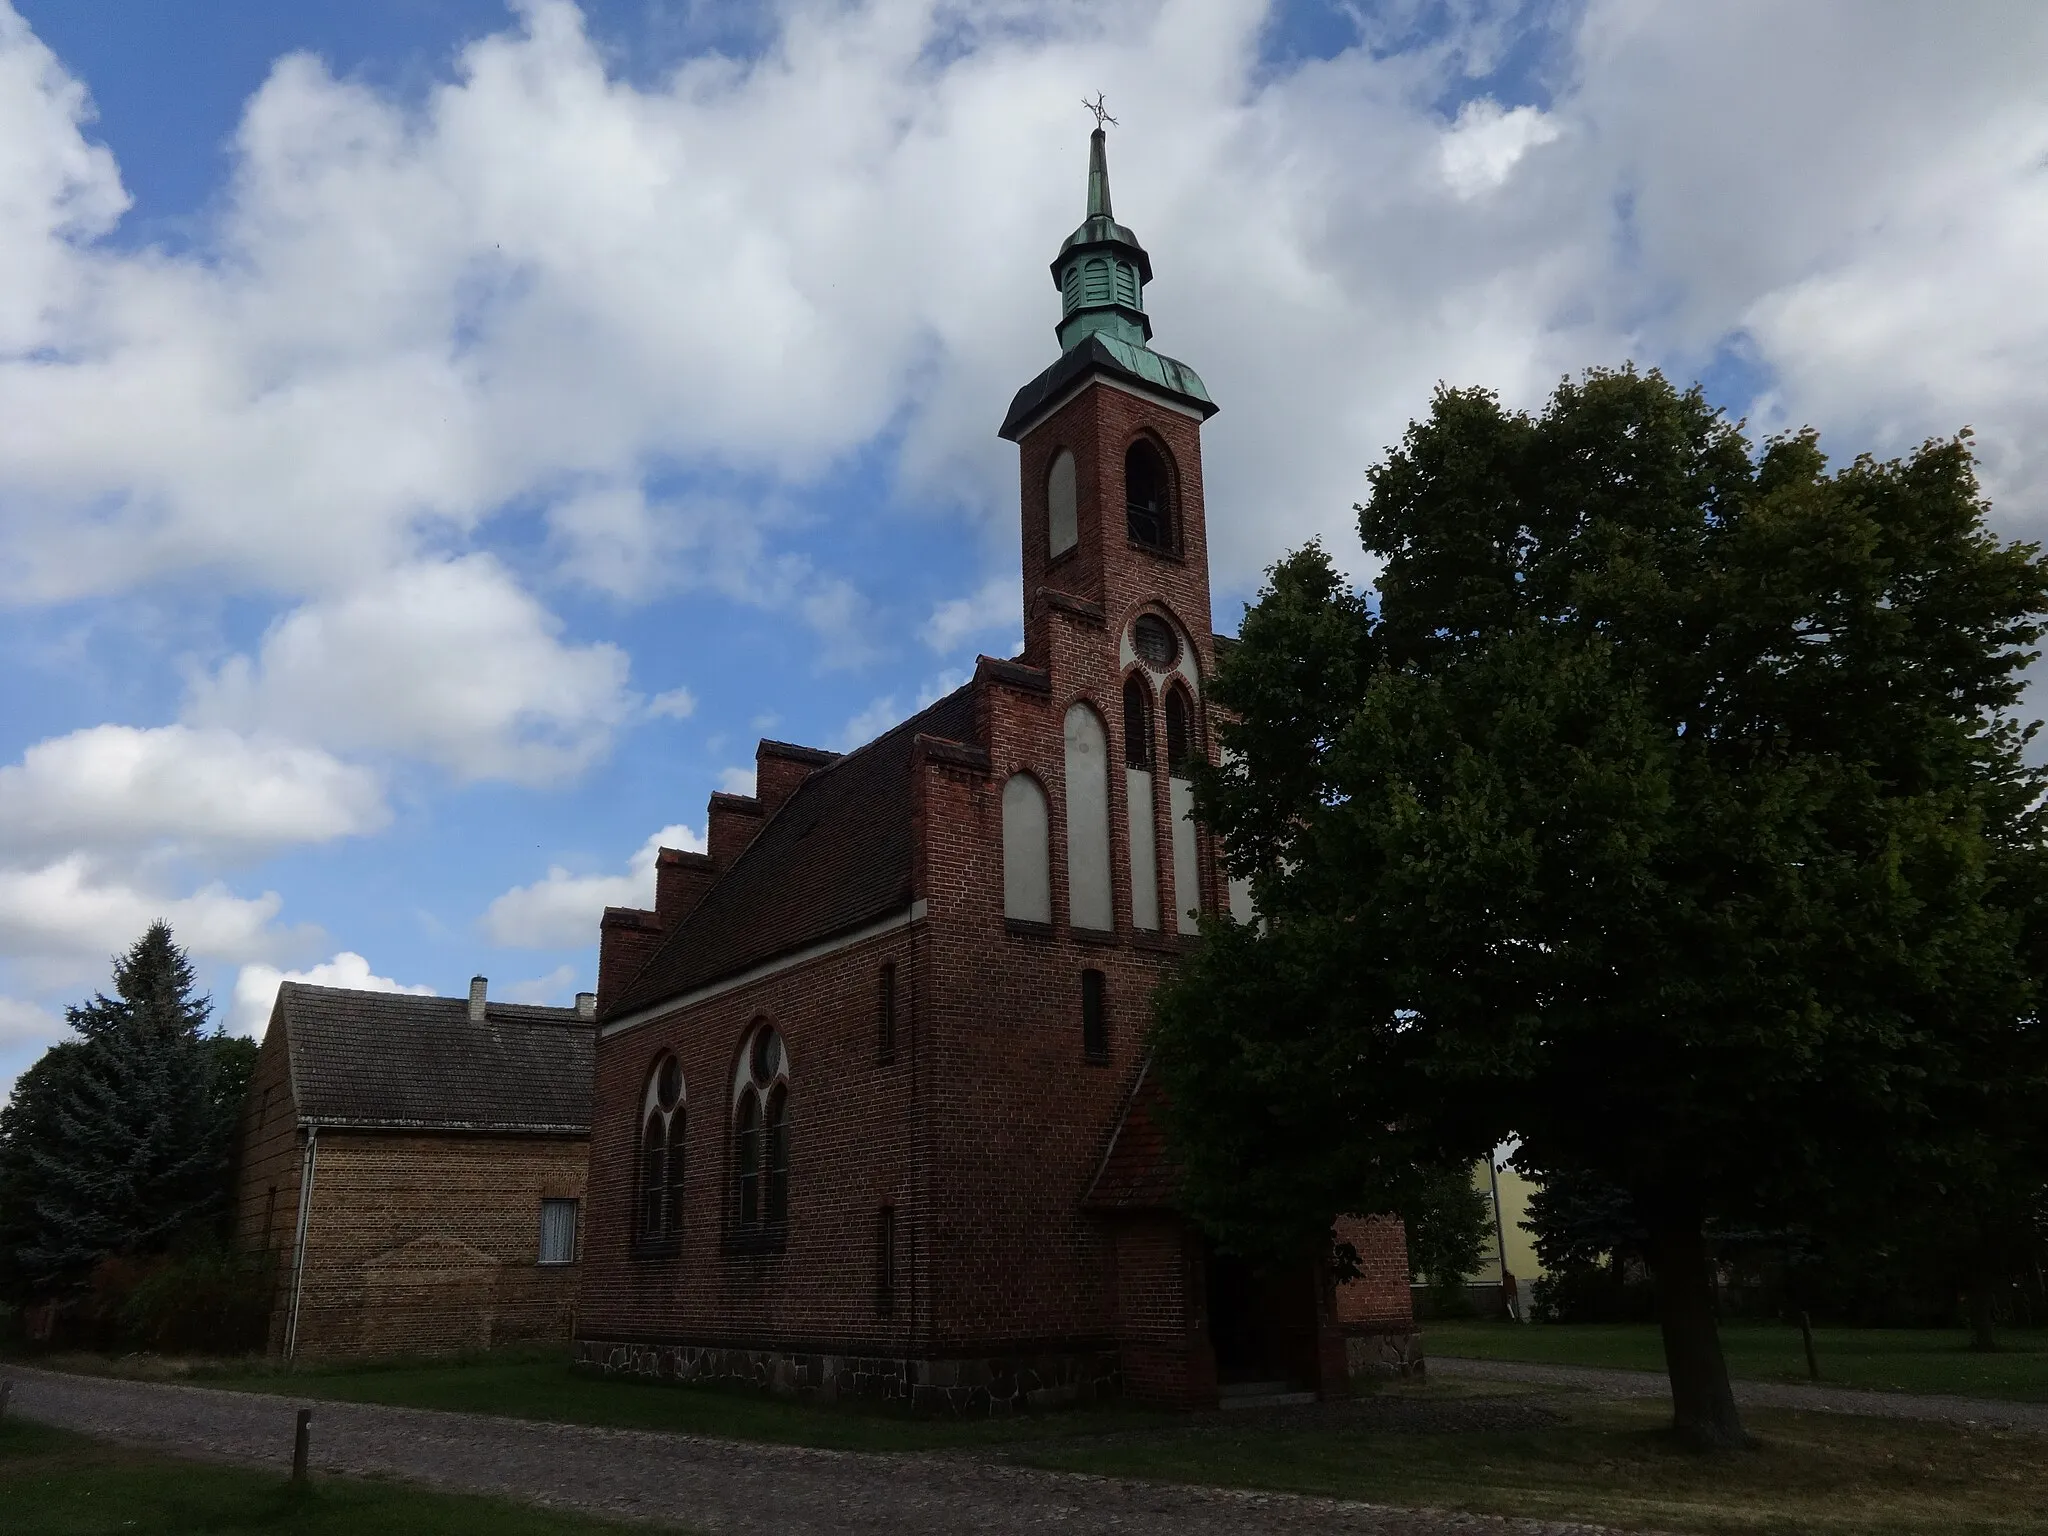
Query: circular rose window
[(1155, 642)]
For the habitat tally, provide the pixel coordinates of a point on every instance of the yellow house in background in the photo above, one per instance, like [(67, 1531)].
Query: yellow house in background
[(1504, 1282)]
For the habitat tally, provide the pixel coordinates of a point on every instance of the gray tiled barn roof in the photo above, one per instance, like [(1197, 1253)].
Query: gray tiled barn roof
[(837, 855), (394, 1060)]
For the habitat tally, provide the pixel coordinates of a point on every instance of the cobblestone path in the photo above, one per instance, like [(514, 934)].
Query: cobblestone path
[(698, 1483), (1818, 1398)]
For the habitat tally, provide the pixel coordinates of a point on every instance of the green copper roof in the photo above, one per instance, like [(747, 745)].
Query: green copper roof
[(1101, 272)]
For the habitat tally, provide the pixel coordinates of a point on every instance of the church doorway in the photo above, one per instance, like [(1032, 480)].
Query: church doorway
[(1262, 1322)]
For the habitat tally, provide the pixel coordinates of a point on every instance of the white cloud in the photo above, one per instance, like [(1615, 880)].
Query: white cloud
[(1483, 147), (68, 910), (737, 780), (868, 724), (448, 661), (116, 787), (562, 911), (997, 604), (256, 987), (676, 704), (556, 989), (24, 1023)]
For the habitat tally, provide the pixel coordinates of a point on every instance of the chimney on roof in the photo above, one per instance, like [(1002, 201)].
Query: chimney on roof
[(586, 1005), (478, 987)]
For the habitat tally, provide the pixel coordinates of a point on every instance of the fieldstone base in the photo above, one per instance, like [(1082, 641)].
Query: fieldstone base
[(970, 1387), (1383, 1354)]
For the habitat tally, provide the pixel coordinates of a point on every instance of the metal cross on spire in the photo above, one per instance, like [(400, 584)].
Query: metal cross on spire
[(1101, 112)]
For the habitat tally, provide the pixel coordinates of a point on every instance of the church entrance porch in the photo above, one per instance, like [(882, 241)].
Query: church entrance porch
[(1262, 1326)]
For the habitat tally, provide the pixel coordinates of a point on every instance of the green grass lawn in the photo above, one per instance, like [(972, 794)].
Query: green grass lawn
[(1889, 1359), (539, 1383), (58, 1484), (1615, 1463)]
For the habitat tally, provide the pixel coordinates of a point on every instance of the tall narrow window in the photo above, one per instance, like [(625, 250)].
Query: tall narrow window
[(1148, 496), (885, 1023), (760, 1138), (662, 1120), (1096, 276), (1088, 888), (1137, 723), (1138, 803), (747, 1159), (885, 1255), (1180, 808), (1094, 1017), (1062, 506)]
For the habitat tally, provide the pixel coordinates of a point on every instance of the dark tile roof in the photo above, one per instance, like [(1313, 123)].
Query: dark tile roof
[(1138, 1171), (836, 856), (392, 1059)]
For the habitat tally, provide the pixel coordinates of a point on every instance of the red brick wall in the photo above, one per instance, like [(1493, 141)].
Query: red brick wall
[(1161, 1313), (1379, 1299)]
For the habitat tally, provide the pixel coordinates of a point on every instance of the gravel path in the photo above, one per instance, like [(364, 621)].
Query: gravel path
[(1983, 1411), (698, 1483)]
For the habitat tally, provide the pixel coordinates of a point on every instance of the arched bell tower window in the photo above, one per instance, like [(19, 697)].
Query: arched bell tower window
[(662, 1120), (1062, 506), (1137, 723), (1148, 496), (1180, 730)]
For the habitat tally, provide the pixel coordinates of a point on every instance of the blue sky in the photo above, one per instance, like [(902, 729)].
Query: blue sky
[(437, 438)]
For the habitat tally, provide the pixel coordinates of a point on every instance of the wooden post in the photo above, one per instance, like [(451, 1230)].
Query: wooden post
[(301, 1444), (1806, 1337)]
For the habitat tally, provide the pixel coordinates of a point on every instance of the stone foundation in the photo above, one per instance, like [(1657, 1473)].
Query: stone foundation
[(967, 1387), (1382, 1353)]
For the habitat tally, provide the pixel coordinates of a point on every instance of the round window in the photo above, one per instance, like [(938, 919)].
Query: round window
[(668, 1087), (767, 1056), (1155, 642)]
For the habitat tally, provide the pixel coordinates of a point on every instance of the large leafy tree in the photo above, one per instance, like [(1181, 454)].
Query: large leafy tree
[(1665, 812), (118, 1142)]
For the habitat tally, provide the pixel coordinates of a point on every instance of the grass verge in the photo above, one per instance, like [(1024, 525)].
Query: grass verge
[(538, 1383), (1884, 1359), (1616, 1464), (57, 1484)]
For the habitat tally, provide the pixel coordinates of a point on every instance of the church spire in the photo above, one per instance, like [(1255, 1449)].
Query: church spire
[(1101, 270)]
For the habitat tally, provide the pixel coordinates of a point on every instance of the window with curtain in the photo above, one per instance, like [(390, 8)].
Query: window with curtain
[(558, 1231)]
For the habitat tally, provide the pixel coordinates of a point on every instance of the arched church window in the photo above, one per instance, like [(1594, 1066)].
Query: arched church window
[(760, 1134), (1180, 806), (1087, 774), (1027, 851), (662, 1119), (1062, 503), (1180, 730), (1148, 496), (1095, 279), (1138, 802), (1137, 723)]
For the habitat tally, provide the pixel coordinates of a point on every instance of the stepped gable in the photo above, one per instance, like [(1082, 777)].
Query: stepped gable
[(837, 855), (390, 1060)]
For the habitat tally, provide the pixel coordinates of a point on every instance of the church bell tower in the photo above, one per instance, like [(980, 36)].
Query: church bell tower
[(1110, 457)]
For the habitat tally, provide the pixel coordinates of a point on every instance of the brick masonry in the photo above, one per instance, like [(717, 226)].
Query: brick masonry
[(983, 1128)]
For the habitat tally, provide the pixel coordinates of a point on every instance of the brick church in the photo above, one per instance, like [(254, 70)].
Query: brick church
[(871, 1111)]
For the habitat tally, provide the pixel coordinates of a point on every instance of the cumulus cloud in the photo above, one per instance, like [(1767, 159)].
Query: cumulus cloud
[(996, 605), (24, 1023), (676, 704), (69, 910), (116, 786), (562, 910), (256, 987), (449, 661), (737, 780), (1481, 149)]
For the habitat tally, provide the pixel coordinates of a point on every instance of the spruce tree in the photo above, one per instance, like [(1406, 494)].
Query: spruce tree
[(117, 1144)]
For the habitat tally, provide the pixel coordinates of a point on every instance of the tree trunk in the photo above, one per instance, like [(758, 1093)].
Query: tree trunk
[(1702, 1403), (1983, 1305)]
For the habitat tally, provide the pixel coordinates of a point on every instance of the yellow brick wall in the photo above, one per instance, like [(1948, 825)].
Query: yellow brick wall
[(431, 1243)]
